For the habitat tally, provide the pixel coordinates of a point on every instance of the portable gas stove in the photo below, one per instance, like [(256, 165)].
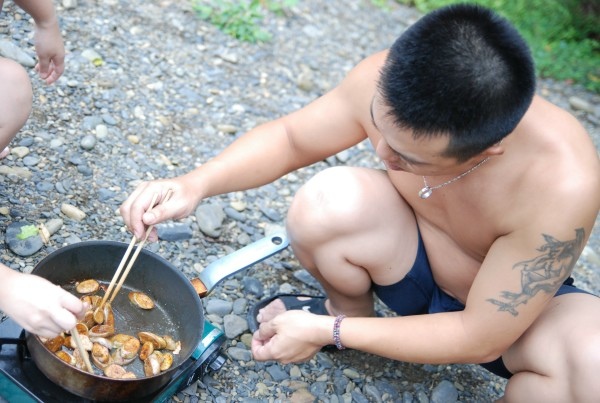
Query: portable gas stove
[(21, 381)]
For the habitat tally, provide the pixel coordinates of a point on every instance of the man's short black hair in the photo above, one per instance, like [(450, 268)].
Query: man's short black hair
[(461, 71)]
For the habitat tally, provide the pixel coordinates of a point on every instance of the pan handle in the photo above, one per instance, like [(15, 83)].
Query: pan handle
[(239, 260)]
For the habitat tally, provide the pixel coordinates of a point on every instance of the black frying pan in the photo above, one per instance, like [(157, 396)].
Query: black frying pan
[(178, 313)]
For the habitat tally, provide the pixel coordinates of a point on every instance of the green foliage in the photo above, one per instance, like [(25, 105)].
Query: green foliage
[(240, 19), (564, 35), (27, 231), (382, 4)]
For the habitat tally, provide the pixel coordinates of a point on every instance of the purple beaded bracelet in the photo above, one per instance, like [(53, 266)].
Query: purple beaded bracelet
[(336, 332)]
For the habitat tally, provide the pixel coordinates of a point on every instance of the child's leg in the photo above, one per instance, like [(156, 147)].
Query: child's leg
[(15, 102)]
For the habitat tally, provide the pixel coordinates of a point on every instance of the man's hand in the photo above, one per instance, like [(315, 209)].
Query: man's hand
[(293, 336), (135, 209)]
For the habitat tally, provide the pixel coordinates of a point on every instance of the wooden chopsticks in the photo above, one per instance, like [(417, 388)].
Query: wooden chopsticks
[(113, 282), (82, 351)]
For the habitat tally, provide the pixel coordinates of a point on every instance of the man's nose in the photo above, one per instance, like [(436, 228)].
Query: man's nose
[(383, 150)]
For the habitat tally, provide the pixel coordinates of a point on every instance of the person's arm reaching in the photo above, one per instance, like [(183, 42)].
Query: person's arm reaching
[(36, 304), (48, 40), (321, 129)]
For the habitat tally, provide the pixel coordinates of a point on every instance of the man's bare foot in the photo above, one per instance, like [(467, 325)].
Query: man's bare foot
[(4, 153)]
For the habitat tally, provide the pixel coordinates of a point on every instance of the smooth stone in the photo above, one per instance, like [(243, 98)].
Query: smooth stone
[(174, 231), (22, 247), (12, 51)]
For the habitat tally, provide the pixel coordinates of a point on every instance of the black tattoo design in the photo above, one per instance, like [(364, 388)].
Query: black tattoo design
[(545, 272)]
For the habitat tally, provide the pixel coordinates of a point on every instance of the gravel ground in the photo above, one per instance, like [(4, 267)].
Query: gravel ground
[(151, 91)]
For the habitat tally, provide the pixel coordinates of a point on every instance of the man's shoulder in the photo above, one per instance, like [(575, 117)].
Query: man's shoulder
[(560, 171), (368, 69), (544, 115)]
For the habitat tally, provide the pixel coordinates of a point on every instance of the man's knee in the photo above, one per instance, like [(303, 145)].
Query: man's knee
[(584, 365), (331, 198), (576, 363)]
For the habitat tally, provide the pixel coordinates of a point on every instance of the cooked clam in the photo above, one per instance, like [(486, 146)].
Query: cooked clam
[(166, 362), (98, 315), (146, 350), (96, 300), (103, 341), (101, 331), (66, 357), (178, 349), (109, 316), (159, 342), (171, 343), (86, 343), (114, 371), (55, 343), (119, 339), (101, 356), (141, 300), (152, 364), (127, 351), (87, 286), (82, 328), (88, 319), (79, 362), (93, 301), (118, 358), (130, 348)]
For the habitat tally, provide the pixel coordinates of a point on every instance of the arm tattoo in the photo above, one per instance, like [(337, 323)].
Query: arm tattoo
[(546, 272)]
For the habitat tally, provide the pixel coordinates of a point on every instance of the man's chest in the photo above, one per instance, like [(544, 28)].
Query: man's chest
[(469, 223)]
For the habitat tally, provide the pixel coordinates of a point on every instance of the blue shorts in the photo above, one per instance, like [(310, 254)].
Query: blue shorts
[(417, 293)]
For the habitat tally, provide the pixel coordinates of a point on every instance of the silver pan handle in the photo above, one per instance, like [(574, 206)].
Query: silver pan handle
[(242, 259)]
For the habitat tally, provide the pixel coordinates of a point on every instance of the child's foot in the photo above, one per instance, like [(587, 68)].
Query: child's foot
[(4, 153)]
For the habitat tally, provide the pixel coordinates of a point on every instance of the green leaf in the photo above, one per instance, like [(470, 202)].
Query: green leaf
[(27, 231)]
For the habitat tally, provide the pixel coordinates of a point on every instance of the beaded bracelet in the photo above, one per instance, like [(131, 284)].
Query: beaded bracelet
[(336, 332)]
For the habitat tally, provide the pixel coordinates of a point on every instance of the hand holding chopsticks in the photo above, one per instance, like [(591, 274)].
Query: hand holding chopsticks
[(107, 295)]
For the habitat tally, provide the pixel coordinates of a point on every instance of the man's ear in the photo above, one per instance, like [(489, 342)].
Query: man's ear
[(493, 150)]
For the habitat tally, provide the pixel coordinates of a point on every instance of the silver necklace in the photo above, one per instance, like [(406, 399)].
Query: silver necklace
[(427, 190)]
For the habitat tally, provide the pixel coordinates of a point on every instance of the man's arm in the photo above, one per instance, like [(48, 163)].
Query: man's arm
[(323, 128), (506, 298), (517, 279), (328, 125)]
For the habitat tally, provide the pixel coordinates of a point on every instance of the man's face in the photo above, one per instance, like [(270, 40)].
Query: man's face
[(400, 151)]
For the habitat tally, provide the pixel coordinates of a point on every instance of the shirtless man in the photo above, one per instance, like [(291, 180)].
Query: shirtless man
[(489, 196), (36, 304)]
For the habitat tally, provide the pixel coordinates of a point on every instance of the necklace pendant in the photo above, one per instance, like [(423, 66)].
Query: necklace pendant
[(425, 192)]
